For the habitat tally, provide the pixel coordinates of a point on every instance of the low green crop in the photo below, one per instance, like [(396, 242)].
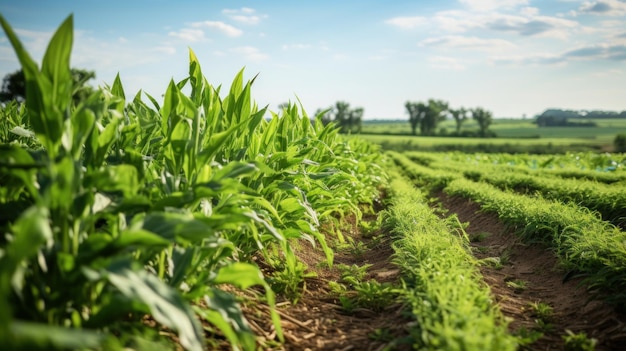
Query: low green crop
[(442, 284)]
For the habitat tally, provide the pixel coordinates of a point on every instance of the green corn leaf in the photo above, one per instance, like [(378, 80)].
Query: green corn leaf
[(165, 304), (224, 313), (30, 232), (178, 225), (56, 66), (36, 336), (118, 89)]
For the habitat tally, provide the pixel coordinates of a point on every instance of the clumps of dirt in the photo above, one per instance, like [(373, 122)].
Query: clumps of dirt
[(317, 321), (522, 276)]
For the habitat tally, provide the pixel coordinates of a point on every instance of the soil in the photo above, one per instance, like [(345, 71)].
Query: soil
[(527, 274), (537, 267), (319, 322)]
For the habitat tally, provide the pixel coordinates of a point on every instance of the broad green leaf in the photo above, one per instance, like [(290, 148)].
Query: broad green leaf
[(118, 89), (37, 336), (178, 225), (165, 304), (56, 68), (224, 312)]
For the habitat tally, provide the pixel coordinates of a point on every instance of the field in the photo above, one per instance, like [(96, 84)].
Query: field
[(513, 135), (195, 223)]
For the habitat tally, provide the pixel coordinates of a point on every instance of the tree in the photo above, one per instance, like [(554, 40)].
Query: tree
[(435, 113), (460, 116), (484, 118), (416, 112), (620, 142), (14, 85), (348, 120)]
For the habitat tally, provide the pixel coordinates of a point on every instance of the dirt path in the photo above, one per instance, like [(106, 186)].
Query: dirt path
[(529, 274), (319, 322)]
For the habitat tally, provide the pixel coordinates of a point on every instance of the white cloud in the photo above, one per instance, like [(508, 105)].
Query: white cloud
[(166, 49), (529, 11), (189, 35), (447, 63), (533, 60), (407, 22), (461, 42), (244, 15), (296, 46), (604, 8), (250, 53), (598, 52), (247, 10), (457, 21), (491, 5), (529, 26), (225, 28)]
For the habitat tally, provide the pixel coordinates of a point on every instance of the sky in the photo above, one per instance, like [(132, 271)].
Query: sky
[(514, 58)]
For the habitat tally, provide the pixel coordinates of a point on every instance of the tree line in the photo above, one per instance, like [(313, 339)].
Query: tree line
[(423, 115), (427, 115)]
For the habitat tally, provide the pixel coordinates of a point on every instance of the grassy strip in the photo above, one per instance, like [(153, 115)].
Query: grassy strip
[(583, 242), (436, 178), (603, 168), (605, 199), (452, 306)]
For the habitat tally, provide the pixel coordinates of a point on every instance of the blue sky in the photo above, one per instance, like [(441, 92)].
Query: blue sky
[(512, 57)]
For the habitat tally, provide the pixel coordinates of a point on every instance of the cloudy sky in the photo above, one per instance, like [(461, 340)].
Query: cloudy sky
[(512, 57)]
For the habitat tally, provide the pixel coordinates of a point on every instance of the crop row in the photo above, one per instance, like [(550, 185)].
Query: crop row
[(608, 200), (584, 243), (120, 213), (602, 168), (452, 305)]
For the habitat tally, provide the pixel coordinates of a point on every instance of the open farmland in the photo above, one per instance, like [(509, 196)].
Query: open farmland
[(195, 223)]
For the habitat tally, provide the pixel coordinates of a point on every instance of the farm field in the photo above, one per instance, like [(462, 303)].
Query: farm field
[(603, 133), (513, 136), (509, 145), (194, 223)]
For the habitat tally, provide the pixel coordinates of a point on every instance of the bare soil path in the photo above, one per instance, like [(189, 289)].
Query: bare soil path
[(530, 274), (319, 322)]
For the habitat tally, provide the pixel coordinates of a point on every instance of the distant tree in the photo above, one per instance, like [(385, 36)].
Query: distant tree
[(14, 85), (416, 112), (356, 119), (484, 119), (620, 142), (460, 116), (348, 120), (435, 113)]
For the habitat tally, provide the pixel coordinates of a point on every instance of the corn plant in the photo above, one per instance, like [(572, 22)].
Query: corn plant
[(118, 210)]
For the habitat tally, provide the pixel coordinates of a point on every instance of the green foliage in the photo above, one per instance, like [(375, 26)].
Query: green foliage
[(348, 120), (579, 342), (620, 143), (116, 210), (484, 119), (583, 242), (448, 299), (426, 115)]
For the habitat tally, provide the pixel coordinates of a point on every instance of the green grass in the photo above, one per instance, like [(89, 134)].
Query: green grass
[(452, 306), (513, 135)]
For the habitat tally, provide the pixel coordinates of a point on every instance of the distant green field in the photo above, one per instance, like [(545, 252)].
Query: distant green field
[(604, 133), (513, 135)]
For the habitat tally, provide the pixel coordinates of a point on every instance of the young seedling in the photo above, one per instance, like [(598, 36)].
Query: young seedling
[(578, 341), (517, 285)]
